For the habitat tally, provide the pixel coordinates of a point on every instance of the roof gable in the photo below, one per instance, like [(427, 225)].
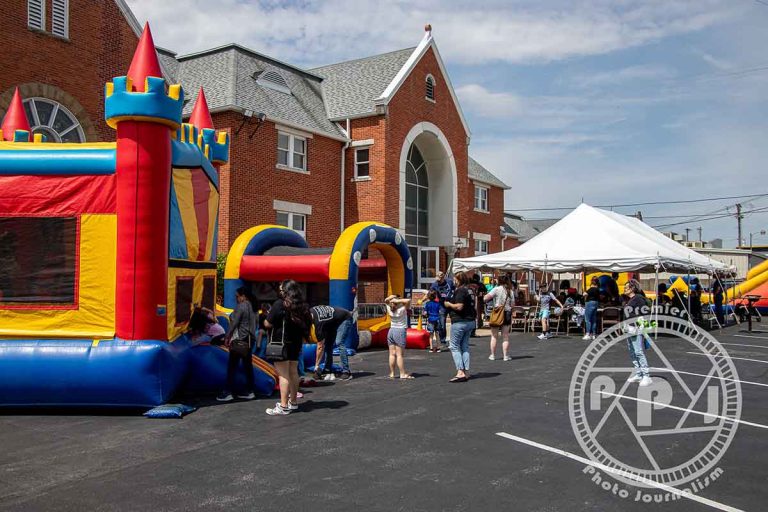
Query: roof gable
[(426, 43), (477, 172)]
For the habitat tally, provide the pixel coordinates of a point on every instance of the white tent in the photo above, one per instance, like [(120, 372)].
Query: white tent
[(589, 238)]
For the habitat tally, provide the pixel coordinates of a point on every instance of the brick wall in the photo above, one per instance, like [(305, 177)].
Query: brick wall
[(487, 223), (251, 181), (72, 72)]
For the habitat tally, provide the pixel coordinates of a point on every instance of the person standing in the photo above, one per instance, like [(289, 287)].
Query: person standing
[(444, 287), (592, 302), (431, 312), (330, 327), (633, 312), (546, 298), (612, 288), (502, 295), (398, 316), (480, 290), (239, 339), (463, 316), (289, 320), (717, 298)]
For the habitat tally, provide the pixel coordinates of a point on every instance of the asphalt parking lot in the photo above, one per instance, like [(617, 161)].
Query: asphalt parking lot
[(377, 444)]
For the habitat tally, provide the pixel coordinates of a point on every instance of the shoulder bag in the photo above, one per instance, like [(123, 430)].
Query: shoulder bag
[(498, 314), (276, 349), (241, 346)]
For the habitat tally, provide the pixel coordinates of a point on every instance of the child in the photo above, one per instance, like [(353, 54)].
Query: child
[(546, 298), (398, 315), (431, 310)]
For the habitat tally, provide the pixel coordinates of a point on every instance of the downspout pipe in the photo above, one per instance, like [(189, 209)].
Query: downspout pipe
[(343, 178)]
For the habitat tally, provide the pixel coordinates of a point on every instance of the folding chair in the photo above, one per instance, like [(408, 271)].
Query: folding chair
[(519, 319), (611, 316)]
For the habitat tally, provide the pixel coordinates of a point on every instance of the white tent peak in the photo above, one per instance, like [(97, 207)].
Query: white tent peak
[(590, 238)]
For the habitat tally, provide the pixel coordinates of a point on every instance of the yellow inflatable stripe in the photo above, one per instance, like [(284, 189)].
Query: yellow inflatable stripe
[(182, 183), (213, 211), (236, 252)]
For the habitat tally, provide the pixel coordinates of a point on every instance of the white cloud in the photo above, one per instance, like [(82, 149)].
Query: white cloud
[(485, 103), (518, 31), (631, 74)]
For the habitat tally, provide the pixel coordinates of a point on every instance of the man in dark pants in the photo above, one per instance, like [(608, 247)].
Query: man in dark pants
[(444, 288), (612, 288), (330, 327)]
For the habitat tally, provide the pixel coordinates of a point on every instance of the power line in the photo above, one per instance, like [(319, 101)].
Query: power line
[(713, 217), (648, 203), (762, 2)]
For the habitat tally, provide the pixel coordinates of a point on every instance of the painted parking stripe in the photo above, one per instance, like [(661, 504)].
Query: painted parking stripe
[(749, 336), (660, 405), (710, 376), (618, 472), (743, 345), (728, 357)]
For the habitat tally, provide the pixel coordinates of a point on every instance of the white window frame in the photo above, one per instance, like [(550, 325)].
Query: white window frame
[(63, 6), (481, 203), (38, 4), (291, 149), (358, 162), (481, 247), (429, 80), (291, 216)]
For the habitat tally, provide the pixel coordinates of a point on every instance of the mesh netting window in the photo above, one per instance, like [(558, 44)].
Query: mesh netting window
[(38, 260), (184, 288), (209, 292)]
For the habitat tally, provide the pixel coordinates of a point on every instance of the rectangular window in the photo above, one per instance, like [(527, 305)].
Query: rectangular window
[(60, 18), (481, 198), (292, 151), (362, 162), (36, 14), (481, 247), (209, 293), (184, 288), (295, 221), (38, 260)]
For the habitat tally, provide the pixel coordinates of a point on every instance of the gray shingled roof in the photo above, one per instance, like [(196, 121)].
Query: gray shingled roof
[(524, 230), (479, 173), (227, 76), (351, 87)]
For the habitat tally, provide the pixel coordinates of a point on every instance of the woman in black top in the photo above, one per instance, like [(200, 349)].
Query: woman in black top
[(462, 309), (239, 339), (289, 319), (592, 299)]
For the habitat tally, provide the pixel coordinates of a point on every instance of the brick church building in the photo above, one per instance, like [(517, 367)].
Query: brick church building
[(379, 138)]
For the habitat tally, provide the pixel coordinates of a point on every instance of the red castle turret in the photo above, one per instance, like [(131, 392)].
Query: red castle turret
[(15, 119), (201, 116), (144, 114), (144, 61)]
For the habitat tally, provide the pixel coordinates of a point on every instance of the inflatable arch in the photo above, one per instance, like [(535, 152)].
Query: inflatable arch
[(339, 266)]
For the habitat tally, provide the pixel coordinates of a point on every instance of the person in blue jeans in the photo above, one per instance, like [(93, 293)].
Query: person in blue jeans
[(330, 327), (592, 301), (463, 317), (634, 309), (444, 288)]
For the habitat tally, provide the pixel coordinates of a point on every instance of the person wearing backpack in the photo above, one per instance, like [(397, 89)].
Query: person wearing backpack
[(503, 297)]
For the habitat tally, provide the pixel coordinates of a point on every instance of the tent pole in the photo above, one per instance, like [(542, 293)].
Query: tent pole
[(656, 309)]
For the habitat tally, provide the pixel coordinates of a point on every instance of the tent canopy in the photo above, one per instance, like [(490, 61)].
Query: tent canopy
[(589, 238)]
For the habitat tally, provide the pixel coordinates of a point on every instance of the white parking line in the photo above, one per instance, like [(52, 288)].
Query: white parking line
[(743, 345), (754, 337), (728, 357), (660, 405), (614, 471), (710, 376)]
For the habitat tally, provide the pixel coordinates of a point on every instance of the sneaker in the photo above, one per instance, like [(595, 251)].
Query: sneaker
[(550, 335), (587, 337), (507, 358), (593, 337), (224, 396), (291, 407), (248, 396), (299, 394), (542, 336), (329, 377), (345, 376), (278, 410), (646, 381), (491, 357), (635, 378)]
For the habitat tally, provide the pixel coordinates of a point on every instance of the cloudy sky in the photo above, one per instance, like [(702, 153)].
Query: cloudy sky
[(606, 101)]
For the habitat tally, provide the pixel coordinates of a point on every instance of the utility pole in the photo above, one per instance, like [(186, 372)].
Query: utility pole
[(739, 216), (699, 230), (687, 230), (639, 215)]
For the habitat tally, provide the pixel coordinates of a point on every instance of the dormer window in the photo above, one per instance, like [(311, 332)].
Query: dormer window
[(273, 80), (430, 86)]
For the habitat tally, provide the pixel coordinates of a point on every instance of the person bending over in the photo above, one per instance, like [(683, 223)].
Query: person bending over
[(330, 327)]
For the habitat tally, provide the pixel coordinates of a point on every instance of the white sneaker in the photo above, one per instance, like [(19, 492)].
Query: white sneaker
[(278, 410), (542, 336), (291, 407), (550, 335), (329, 377), (507, 358), (646, 381), (246, 396), (635, 377), (586, 337), (593, 337), (491, 357)]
